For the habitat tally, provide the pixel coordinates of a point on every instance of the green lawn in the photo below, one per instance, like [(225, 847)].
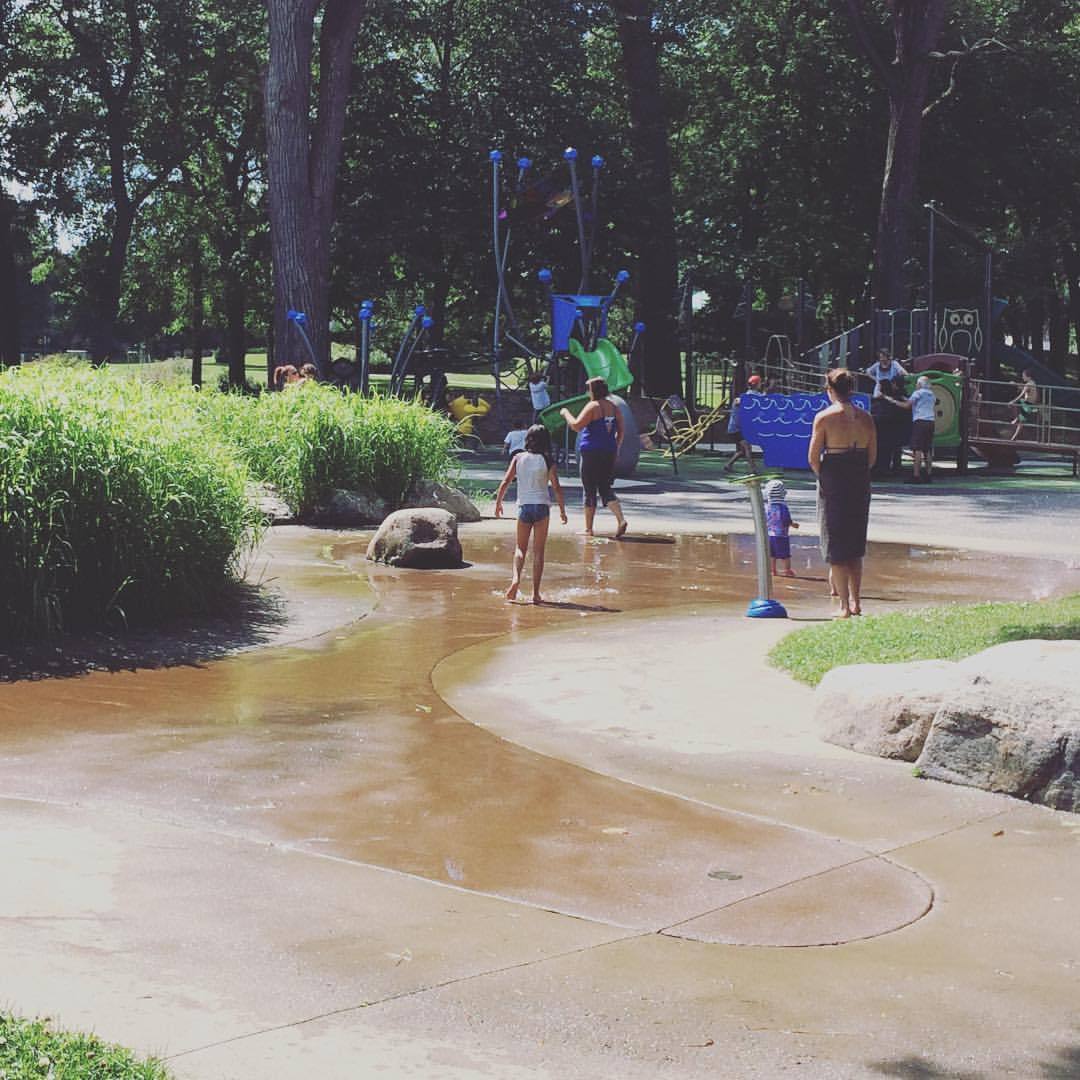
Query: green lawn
[(178, 369), (32, 1050), (942, 633)]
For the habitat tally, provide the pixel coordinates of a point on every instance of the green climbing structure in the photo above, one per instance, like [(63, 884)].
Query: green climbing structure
[(604, 362)]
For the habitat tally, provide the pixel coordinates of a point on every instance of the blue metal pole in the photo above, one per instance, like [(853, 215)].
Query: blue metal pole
[(570, 155)]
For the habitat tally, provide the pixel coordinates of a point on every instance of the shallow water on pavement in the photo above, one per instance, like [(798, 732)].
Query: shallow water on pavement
[(345, 749)]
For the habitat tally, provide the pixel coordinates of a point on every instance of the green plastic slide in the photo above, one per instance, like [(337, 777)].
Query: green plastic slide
[(604, 362)]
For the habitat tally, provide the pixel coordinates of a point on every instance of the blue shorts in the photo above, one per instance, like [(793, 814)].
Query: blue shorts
[(780, 547), (531, 513)]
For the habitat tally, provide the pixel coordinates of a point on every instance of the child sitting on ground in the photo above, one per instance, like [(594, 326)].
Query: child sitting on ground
[(778, 519)]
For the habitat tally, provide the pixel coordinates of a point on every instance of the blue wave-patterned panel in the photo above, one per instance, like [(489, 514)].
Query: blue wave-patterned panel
[(781, 425)]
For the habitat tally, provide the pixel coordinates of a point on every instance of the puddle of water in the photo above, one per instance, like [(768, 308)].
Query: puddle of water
[(347, 749)]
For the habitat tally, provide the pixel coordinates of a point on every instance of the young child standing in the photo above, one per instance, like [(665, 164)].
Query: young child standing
[(534, 469), (538, 392), (778, 519)]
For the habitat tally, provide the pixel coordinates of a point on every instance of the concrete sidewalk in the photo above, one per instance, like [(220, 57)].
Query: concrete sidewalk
[(152, 891)]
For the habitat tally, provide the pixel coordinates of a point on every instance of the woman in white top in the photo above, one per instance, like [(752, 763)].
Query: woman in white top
[(534, 469)]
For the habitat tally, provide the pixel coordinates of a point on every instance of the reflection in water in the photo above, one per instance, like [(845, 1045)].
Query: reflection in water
[(348, 747)]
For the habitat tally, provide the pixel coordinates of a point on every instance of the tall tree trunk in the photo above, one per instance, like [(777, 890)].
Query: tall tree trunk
[(105, 341), (657, 268), (917, 26), (10, 322), (1059, 330), (303, 155), (1036, 324), (1070, 254), (236, 329)]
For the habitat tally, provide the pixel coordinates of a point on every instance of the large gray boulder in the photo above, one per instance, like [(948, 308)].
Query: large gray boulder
[(885, 709), (423, 539), (1021, 740), (1016, 729), (1006, 719), (428, 493)]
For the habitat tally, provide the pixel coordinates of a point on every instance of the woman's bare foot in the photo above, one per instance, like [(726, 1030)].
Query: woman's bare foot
[(588, 532), (845, 614), (789, 573), (856, 610), (621, 530), (537, 598), (511, 593)]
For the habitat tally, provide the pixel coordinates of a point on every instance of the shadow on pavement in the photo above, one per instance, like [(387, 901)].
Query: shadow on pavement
[(247, 616)]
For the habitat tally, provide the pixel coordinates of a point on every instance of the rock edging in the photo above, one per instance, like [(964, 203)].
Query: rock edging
[(1006, 719)]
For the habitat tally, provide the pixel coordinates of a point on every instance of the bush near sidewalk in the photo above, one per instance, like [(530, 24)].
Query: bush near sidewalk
[(310, 439), (940, 633), (116, 503), (124, 501)]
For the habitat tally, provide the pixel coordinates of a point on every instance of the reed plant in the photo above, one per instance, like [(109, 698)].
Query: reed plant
[(117, 504), (126, 501), (311, 438)]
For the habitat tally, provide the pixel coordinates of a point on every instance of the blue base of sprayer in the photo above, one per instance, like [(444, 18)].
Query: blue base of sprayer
[(766, 609)]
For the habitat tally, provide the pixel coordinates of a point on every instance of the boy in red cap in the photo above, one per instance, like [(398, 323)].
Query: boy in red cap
[(742, 447)]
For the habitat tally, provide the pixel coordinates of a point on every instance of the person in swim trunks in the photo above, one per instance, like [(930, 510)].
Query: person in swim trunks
[(1026, 403)]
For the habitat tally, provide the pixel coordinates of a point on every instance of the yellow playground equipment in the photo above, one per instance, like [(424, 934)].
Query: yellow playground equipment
[(682, 432), (463, 411)]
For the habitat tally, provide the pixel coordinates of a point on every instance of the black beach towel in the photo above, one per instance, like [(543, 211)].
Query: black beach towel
[(843, 505)]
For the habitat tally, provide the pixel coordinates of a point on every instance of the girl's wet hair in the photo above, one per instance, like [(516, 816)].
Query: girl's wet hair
[(538, 441), (598, 388), (309, 371), (840, 382)]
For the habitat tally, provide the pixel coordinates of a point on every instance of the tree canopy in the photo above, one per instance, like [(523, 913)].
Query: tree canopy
[(770, 141)]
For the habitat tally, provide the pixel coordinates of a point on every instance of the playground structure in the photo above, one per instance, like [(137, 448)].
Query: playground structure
[(580, 348), (957, 347)]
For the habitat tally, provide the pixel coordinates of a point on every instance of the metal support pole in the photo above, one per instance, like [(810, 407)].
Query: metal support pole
[(570, 155), (748, 337), (597, 165), (931, 316), (496, 162), (365, 344), (763, 606), (962, 451), (690, 391), (800, 305)]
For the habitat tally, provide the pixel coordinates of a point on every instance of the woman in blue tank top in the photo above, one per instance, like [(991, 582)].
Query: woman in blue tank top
[(601, 427)]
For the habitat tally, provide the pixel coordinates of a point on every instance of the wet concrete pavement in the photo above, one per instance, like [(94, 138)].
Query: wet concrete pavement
[(218, 851)]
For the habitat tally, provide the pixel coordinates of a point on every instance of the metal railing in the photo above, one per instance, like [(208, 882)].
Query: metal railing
[(1052, 421), (849, 349)]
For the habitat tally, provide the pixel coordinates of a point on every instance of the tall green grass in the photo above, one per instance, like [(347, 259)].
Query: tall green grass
[(312, 438), (126, 501), (116, 502)]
